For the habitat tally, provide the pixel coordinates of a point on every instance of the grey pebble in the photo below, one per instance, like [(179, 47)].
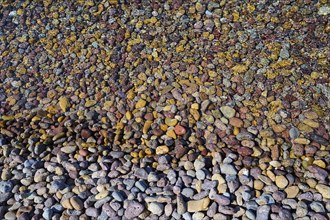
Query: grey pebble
[(133, 209), (250, 214), (228, 169), (141, 185), (302, 209), (188, 192), (168, 209), (47, 213), (200, 174), (221, 199), (118, 196), (293, 133), (6, 186), (92, 212), (187, 216), (318, 216), (156, 208), (263, 212), (181, 205), (284, 53), (141, 173), (5, 196), (244, 135), (285, 214), (317, 207), (108, 210), (265, 199)]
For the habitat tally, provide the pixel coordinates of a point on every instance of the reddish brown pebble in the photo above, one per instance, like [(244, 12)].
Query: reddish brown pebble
[(158, 132), (56, 130), (149, 116), (236, 122), (85, 133), (83, 152), (179, 130), (245, 151)]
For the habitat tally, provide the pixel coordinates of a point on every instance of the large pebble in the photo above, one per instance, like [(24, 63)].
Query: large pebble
[(133, 209), (281, 181), (263, 212), (324, 190), (227, 111), (76, 203), (156, 208), (228, 169), (198, 205)]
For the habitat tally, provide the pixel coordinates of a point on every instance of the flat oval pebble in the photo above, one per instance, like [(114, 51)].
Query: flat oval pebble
[(281, 181)]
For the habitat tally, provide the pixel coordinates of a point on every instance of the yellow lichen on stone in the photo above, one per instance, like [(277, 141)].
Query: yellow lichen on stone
[(162, 150), (170, 121), (171, 133), (250, 8), (90, 103), (146, 126), (140, 104), (64, 103), (179, 49), (239, 68), (128, 115), (8, 117), (235, 16)]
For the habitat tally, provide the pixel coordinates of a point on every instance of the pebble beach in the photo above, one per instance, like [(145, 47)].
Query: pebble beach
[(179, 110)]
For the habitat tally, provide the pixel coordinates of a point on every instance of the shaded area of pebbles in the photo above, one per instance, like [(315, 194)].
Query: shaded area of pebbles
[(173, 110)]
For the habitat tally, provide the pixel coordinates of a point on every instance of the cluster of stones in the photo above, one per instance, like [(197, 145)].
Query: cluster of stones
[(175, 110)]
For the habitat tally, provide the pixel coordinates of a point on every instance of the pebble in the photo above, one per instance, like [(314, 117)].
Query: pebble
[(6, 186), (227, 111), (236, 122), (302, 209), (162, 150), (118, 196), (228, 169), (259, 185), (222, 200), (324, 10), (140, 104), (47, 214), (292, 191), (263, 212), (133, 209), (284, 53), (294, 133), (303, 141), (317, 207), (281, 181), (244, 136), (76, 203), (285, 214), (92, 212), (179, 130), (168, 210), (200, 174), (10, 216), (199, 164), (198, 205), (324, 190), (187, 192), (156, 208), (141, 173), (181, 205), (68, 149)]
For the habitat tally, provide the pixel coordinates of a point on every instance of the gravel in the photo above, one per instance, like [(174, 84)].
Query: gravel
[(172, 110)]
